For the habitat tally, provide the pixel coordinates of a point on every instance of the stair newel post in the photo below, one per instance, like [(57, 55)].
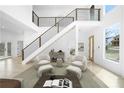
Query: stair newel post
[(32, 16), (38, 21), (39, 41), (57, 27), (76, 13), (55, 21), (22, 54), (73, 19), (98, 14)]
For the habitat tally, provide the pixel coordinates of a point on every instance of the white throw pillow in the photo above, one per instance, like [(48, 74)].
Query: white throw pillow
[(77, 58), (43, 62), (78, 63)]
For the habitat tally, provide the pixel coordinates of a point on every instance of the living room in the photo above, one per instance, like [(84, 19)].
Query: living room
[(69, 41)]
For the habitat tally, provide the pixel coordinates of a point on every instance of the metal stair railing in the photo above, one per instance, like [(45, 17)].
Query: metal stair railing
[(60, 23)]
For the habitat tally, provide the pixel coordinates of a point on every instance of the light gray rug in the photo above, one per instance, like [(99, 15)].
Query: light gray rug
[(88, 80)]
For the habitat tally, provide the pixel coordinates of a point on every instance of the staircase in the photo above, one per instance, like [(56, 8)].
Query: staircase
[(62, 26)]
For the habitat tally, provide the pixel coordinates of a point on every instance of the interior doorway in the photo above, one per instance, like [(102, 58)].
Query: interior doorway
[(5, 50), (19, 48), (2, 49), (91, 48)]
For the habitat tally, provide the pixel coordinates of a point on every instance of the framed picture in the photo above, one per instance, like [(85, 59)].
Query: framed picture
[(72, 51), (80, 46)]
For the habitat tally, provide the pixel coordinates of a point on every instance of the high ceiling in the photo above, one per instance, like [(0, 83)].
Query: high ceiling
[(9, 24), (57, 10)]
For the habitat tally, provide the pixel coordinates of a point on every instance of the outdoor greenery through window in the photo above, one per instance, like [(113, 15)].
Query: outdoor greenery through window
[(112, 42)]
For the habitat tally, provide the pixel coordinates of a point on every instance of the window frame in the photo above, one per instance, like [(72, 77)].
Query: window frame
[(104, 39)]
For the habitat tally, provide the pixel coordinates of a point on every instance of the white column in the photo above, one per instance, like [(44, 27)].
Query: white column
[(76, 36)]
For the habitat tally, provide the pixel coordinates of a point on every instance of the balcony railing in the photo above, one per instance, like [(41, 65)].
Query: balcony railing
[(79, 14), (58, 23)]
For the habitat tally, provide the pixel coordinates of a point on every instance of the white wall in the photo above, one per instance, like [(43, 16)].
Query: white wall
[(122, 42), (21, 16), (69, 40), (83, 37), (65, 43), (29, 36), (87, 29), (109, 19), (115, 16), (57, 10), (13, 24), (22, 13), (13, 38)]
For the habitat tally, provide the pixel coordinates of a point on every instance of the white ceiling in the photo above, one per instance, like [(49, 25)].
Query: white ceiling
[(9, 24), (57, 10)]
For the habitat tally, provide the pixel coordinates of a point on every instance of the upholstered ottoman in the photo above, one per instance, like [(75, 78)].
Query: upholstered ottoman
[(82, 64), (44, 68), (79, 64), (40, 63), (75, 70)]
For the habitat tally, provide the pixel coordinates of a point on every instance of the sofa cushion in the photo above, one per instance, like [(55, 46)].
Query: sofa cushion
[(75, 69), (44, 68), (40, 63), (43, 62), (77, 63)]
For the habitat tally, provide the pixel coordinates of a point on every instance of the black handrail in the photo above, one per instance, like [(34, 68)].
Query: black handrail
[(46, 31), (39, 37)]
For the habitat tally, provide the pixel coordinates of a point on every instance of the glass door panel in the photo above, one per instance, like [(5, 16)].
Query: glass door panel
[(2, 49), (9, 49)]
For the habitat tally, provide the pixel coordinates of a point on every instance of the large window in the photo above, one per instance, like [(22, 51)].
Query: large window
[(112, 42), (109, 8)]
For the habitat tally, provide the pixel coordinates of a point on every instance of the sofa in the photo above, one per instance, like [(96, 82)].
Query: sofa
[(11, 83), (80, 62)]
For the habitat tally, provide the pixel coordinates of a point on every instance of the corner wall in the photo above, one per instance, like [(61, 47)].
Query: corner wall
[(115, 16), (13, 38), (65, 43), (22, 13)]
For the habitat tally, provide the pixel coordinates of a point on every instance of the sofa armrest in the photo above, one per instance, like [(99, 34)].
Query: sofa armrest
[(19, 79)]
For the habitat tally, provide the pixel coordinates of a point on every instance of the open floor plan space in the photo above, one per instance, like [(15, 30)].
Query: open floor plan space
[(97, 76), (62, 46)]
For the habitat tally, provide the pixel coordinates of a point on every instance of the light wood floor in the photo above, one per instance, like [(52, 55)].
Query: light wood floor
[(10, 68), (110, 79)]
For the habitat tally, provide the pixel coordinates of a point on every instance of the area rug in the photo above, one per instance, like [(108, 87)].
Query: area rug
[(71, 76), (88, 80)]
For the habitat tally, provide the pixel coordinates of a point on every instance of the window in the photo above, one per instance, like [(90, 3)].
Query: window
[(112, 42), (109, 8)]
